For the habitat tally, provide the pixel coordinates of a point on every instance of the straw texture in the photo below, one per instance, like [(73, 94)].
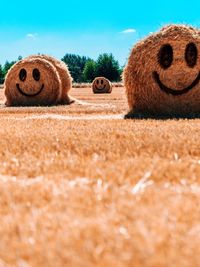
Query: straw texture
[(163, 72), (37, 80)]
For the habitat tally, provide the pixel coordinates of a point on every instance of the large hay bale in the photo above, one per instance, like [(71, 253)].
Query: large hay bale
[(101, 85), (162, 76), (38, 80)]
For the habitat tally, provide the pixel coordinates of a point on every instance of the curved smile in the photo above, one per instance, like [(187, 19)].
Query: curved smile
[(175, 92), (29, 95), (101, 88)]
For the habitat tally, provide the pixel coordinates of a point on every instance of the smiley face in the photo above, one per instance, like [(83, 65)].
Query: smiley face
[(101, 85), (162, 76), (35, 77), (32, 81), (165, 59)]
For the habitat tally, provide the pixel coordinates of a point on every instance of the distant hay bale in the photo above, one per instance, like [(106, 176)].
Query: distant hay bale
[(162, 76), (101, 85), (38, 80)]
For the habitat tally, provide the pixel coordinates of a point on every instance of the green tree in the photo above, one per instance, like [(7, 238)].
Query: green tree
[(19, 58), (7, 66), (89, 72), (1, 75), (76, 65), (108, 67)]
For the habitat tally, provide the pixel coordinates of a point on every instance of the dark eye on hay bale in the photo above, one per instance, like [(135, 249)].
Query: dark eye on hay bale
[(191, 54), (22, 75), (36, 74), (165, 56)]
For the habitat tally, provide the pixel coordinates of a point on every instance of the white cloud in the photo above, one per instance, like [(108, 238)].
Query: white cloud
[(32, 36), (128, 31)]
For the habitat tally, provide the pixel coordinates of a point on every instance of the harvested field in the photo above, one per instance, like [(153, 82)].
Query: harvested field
[(81, 187)]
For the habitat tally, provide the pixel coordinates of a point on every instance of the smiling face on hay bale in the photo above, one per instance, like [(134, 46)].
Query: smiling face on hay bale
[(101, 85), (31, 82), (162, 76)]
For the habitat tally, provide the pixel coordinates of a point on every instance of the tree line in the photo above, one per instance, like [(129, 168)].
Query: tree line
[(82, 69), (5, 68)]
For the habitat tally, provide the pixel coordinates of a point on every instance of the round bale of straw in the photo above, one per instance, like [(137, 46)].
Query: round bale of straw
[(65, 77), (38, 80), (162, 76), (101, 85)]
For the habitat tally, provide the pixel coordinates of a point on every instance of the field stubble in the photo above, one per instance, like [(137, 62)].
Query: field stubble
[(81, 187)]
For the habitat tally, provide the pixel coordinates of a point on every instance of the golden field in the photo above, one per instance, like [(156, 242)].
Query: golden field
[(81, 187)]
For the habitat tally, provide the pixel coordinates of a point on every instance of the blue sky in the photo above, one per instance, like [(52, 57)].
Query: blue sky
[(85, 27)]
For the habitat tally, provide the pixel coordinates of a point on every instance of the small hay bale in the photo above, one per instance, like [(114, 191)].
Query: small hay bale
[(38, 80), (101, 85), (162, 76)]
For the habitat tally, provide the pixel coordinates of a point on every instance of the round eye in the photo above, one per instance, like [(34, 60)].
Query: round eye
[(97, 81), (165, 56), (36, 74), (101, 81), (191, 55), (22, 75)]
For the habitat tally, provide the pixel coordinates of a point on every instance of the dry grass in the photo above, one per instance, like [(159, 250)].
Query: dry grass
[(98, 192)]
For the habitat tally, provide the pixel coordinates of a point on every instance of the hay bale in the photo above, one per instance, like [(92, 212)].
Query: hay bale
[(101, 85), (65, 77), (162, 76), (38, 80)]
